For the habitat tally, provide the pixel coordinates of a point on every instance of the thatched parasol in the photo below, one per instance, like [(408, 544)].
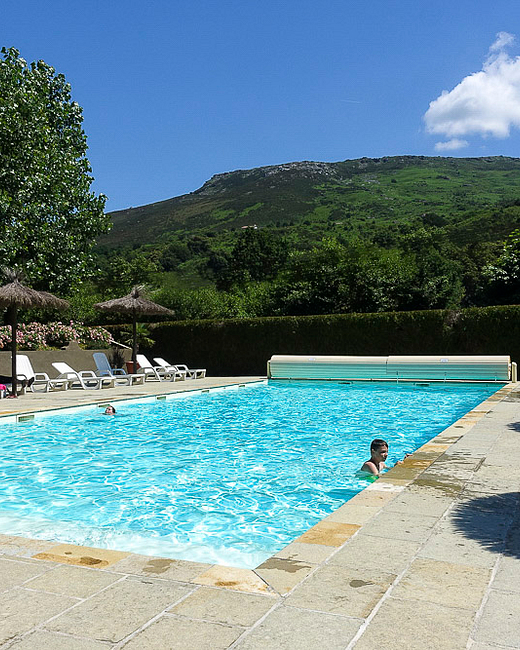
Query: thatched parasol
[(134, 303), (13, 296)]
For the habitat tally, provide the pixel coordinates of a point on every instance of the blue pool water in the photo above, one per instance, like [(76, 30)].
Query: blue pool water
[(230, 476)]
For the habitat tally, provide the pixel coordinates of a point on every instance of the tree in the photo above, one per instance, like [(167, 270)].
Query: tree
[(48, 215), (121, 272), (257, 255), (504, 275)]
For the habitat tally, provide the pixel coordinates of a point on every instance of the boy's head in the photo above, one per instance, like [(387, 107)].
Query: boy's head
[(379, 447)]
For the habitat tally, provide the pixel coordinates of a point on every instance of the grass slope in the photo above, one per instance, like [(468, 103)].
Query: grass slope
[(468, 196)]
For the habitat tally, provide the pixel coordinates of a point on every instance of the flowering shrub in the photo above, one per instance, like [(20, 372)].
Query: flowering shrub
[(35, 336)]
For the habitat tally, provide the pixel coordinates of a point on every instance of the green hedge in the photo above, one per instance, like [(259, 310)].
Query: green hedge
[(242, 347)]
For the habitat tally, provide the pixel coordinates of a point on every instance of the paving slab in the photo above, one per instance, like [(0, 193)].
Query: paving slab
[(227, 607), (21, 610), (343, 590), (353, 514), (233, 578), (156, 567), (372, 552), (420, 501), (173, 633), (444, 583), (16, 572), (329, 533), (507, 576), (42, 640), (417, 625), (81, 555), (72, 581), (409, 527), (449, 545), (500, 620), (485, 646), (23, 547), (283, 574), (306, 553), (289, 628), (119, 610)]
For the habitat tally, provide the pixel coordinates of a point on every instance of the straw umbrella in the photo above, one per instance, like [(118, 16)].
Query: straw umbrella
[(14, 296), (135, 304)]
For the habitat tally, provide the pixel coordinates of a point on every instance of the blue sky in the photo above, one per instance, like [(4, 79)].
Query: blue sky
[(174, 91)]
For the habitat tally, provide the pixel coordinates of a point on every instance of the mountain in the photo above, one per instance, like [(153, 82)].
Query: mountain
[(470, 198)]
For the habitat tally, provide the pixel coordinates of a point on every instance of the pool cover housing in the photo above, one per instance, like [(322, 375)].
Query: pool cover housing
[(440, 368)]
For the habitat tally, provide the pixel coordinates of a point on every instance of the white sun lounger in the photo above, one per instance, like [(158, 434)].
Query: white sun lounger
[(24, 370), (152, 372), (177, 373), (119, 375), (198, 373), (84, 379)]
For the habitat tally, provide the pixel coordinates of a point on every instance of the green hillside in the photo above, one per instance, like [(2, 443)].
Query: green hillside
[(389, 234), (471, 198)]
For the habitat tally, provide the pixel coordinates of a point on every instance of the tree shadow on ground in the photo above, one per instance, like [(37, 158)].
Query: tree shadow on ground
[(493, 521), (515, 426)]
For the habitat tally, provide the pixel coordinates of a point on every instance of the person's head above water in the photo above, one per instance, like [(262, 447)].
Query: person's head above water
[(110, 410), (379, 447)]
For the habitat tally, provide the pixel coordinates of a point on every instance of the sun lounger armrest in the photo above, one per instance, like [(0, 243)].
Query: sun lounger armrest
[(119, 371), (154, 369), (71, 376), (88, 373), (41, 376)]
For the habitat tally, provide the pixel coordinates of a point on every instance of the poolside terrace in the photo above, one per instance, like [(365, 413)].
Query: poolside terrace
[(426, 557)]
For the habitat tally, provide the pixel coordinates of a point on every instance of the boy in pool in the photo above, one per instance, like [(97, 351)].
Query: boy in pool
[(378, 455), (110, 410)]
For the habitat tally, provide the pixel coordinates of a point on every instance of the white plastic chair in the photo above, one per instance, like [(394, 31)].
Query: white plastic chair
[(119, 375), (177, 374), (197, 373), (24, 370), (152, 372), (84, 379)]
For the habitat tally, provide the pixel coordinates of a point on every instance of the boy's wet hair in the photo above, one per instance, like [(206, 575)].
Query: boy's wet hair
[(377, 443)]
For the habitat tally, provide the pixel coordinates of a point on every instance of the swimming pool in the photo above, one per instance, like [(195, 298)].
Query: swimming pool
[(227, 476)]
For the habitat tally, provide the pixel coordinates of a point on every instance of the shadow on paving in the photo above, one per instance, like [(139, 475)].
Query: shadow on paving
[(493, 521), (514, 426)]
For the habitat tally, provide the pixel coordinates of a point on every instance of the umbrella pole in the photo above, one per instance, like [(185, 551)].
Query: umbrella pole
[(14, 328), (134, 338)]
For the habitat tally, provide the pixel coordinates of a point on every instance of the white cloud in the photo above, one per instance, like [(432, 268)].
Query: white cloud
[(452, 144), (503, 40), (483, 103)]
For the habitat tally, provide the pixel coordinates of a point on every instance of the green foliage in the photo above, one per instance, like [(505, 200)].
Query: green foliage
[(367, 235), (142, 336), (120, 273), (242, 347), (504, 274), (370, 198), (256, 255), (48, 215)]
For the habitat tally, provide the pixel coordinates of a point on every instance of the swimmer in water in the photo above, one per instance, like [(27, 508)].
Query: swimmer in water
[(110, 410), (378, 455)]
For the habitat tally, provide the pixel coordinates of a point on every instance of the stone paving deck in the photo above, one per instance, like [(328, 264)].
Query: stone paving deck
[(426, 557)]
